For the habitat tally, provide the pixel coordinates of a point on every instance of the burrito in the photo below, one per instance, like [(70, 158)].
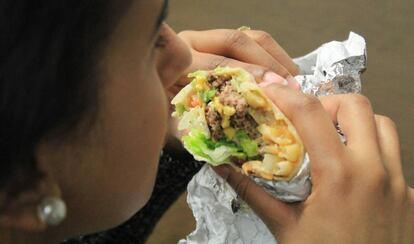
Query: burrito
[(225, 118)]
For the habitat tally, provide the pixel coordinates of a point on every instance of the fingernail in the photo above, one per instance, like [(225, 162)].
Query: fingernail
[(293, 83), (272, 78)]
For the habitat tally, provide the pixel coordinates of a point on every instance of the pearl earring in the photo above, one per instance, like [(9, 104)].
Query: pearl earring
[(52, 211)]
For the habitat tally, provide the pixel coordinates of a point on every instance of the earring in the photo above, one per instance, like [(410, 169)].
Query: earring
[(52, 210)]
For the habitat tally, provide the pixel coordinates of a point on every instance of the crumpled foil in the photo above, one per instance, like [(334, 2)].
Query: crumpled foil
[(333, 68)]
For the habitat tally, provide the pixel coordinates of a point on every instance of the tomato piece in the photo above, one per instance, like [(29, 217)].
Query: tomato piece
[(194, 102)]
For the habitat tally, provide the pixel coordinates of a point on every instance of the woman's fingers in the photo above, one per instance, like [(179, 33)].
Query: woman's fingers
[(272, 211), (233, 44), (313, 124), (254, 51), (390, 149), (355, 117), (266, 41), (205, 61)]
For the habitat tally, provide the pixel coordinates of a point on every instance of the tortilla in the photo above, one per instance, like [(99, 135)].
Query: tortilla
[(226, 118)]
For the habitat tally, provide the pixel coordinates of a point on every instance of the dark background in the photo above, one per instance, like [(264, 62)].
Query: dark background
[(302, 25)]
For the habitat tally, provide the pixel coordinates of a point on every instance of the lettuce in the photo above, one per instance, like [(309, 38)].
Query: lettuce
[(182, 96), (180, 100), (207, 96), (249, 146), (205, 149), (180, 109), (194, 124), (194, 119)]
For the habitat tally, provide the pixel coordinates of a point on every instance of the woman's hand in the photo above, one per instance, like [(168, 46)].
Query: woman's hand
[(359, 193), (254, 50)]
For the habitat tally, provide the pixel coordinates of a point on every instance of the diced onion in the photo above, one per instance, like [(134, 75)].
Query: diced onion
[(278, 135), (255, 100), (269, 162), (284, 168), (273, 149), (291, 152)]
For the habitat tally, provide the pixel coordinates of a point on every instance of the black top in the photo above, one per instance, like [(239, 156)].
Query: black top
[(174, 173)]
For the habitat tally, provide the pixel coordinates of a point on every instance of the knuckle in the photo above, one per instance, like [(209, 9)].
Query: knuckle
[(359, 100), (279, 69), (235, 39), (342, 179), (308, 103), (257, 71), (378, 179), (263, 38), (218, 61), (386, 122)]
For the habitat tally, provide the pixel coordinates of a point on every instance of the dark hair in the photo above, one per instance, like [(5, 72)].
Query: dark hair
[(48, 83)]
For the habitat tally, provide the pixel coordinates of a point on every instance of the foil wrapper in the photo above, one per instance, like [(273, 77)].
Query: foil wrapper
[(333, 68), (295, 190), (220, 217)]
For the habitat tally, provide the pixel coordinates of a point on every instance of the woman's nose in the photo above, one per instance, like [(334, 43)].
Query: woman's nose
[(173, 58)]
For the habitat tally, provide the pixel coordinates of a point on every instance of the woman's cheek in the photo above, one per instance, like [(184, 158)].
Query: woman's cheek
[(135, 128), (152, 136)]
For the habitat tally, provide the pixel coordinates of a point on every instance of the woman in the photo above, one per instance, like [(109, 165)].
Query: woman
[(84, 118)]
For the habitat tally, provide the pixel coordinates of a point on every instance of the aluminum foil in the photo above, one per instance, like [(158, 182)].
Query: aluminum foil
[(333, 68), (295, 190), (219, 218)]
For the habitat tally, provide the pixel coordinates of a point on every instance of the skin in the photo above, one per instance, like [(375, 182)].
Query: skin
[(359, 193), (105, 173)]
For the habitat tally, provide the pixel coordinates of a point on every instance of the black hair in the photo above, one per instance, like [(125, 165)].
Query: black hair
[(48, 80)]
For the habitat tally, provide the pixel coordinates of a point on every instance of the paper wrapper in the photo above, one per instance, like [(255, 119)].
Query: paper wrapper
[(333, 68)]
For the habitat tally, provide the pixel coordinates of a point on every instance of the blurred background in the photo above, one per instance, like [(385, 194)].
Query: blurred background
[(301, 26)]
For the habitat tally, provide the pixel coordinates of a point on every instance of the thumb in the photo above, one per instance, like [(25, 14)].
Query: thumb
[(274, 213)]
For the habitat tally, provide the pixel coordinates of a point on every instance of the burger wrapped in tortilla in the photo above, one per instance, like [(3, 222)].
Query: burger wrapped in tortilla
[(226, 118)]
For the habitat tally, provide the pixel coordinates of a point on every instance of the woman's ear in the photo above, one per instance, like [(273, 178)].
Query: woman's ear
[(23, 210)]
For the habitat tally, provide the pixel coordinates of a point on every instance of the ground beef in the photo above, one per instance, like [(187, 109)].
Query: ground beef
[(228, 96), (218, 81), (245, 123), (214, 123), (241, 120)]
